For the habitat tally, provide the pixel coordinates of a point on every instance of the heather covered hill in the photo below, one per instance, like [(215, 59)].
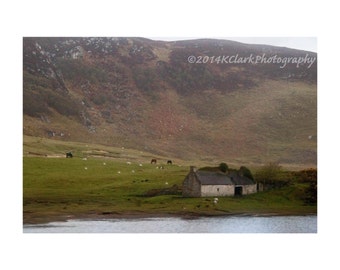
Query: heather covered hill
[(146, 95)]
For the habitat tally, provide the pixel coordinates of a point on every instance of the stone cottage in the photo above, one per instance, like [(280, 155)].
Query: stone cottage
[(211, 183)]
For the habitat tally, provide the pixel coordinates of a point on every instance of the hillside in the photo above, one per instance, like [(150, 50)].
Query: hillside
[(145, 95)]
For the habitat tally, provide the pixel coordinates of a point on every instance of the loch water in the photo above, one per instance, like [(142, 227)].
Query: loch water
[(230, 224)]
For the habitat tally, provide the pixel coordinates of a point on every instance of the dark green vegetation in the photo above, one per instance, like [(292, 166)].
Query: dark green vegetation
[(100, 182), (101, 97), (223, 167), (143, 94)]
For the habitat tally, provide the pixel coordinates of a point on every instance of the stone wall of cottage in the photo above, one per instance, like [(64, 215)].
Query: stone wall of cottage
[(249, 189), (191, 186), (217, 190)]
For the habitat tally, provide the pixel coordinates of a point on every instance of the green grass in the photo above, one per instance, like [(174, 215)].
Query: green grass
[(60, 187)]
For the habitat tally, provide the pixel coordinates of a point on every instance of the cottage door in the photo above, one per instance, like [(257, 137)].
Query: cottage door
[(238, 191)]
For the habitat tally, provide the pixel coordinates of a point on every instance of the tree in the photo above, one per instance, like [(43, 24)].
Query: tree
[(272, 176), (246, 172), (312, 193), (269, 172), (309, 176), (223, 167)]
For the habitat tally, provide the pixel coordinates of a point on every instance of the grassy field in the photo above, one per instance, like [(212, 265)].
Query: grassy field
[(102, 181)]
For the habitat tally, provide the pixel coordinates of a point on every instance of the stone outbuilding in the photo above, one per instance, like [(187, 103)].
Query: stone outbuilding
[(214, 183)]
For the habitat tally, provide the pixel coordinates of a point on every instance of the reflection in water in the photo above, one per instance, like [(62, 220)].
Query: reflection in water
[(235, 224)]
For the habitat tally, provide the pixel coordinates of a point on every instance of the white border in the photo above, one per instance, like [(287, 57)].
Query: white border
[(167, 19)]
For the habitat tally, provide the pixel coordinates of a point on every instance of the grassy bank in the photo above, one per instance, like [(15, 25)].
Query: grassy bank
[(101, 186)]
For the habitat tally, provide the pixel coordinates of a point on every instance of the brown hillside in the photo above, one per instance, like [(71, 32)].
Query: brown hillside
[(145, 95)]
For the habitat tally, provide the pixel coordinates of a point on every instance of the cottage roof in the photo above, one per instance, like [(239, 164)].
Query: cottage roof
[(219, 178), (213, 178), (238, 179)]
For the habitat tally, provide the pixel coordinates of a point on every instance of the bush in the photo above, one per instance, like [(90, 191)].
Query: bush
[(309, 176), (223, 167), (246, 172), (269, 172), (272, 176)]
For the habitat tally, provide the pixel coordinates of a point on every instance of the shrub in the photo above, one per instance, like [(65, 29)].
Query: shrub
[(246, 172), (309, 176), (269, 172), (272, 176), (223, 167), (311, 193)]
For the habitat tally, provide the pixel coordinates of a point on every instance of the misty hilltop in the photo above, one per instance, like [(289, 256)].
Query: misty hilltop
[(202, 99)]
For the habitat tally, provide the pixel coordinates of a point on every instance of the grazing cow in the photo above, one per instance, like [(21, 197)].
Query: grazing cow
[(153, 161), (69, 155), (169, 162)]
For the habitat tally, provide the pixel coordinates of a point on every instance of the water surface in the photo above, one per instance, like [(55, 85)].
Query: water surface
[(234, 224)]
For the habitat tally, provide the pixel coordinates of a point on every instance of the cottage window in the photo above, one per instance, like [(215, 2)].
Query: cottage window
[(218, 190)]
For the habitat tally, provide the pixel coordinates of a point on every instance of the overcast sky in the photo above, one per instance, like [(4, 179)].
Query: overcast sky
[(301, 43)]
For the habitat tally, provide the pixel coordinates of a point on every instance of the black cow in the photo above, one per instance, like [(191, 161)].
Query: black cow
[(69, 155), (169, 162), (153, 161)]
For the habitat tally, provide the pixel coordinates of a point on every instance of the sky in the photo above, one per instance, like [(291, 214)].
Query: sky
[(300, 43)]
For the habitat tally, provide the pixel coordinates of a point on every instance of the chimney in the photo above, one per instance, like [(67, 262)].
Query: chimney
[(193, 169)]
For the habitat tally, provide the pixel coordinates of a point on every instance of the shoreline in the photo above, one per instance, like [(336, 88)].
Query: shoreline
[(40, 220)]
